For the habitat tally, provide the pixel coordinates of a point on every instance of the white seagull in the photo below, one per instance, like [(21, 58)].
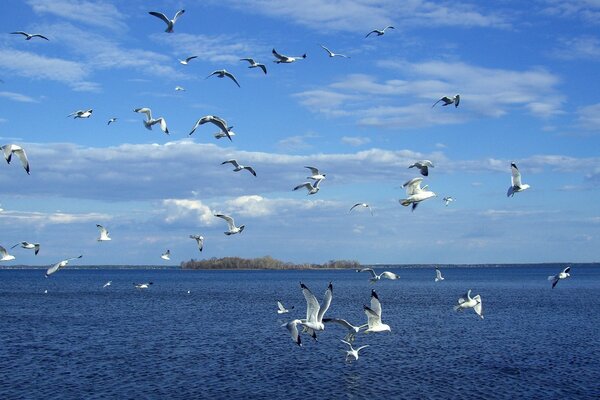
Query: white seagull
[(199, 240), (10, 149), (332, 54), (438, 275), (352, 330), (103, 233), (179, 89), (81, 114), (448, 100), (314, 311), (107, 284), (239, 167), (282, 310), (110, 121), (374, 277), (352, 353), (254, 64), (187, 60), (27, 245), (143, 285), (564, 274), (362, 205), (213, 119), (166, 255), (29, 36), (447, 200), (59, 265), (311, 187), (316, 175), (231, 223), (423, 166), (222, 73), (149, 122), (415, 193), (466, 301), (4, 256), (379, 32), (515, 180), (170, 22), (374, 316), (286, 59)]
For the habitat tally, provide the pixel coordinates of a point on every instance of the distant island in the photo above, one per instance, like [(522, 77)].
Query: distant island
[(266, 262)]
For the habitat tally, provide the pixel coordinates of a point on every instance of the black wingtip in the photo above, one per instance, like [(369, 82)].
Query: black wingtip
[(303, 286), (330, 286), (374, 294)]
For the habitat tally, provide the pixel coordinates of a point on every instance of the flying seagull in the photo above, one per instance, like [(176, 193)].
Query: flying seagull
[(374, 277), (374, 316), (254, 64), (564, 274), (10, 149), (515, 180), (145, 285), (27, 245), (352, 330), (231, 223), (332, 54), (110, 121), (103, 233), (179, 89), (213, 119), (312, 188), (314, 311), (447, 200), (415, 193), (199, 240), (59, 265), (362, 205), (281, 309), (448, 100), (149, 122), (239, 167), (4, 256), (315, 174), (438, 275), (466, 301), (286, 59), (170, 22), (107, 284), (187, 60), (166, 255), (352, 353), (29, 36), (423, 166), (379, 32), (81, 114), (222, 73)]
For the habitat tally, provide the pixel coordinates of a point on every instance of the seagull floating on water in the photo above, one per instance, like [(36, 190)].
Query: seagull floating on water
[(438, 275), (416, 193), (107, 284), (110, 121), (352, 353), (81, 114), (29, 36), (423, 166), (515, 180), (231, 223), (254, 64), (239, 167), (312, 188), (4, 256), (332, 54), (374, 316), (362, 205), (149, 122), (30, 246), (316, 175), (166, 255), (466, 301), (213, 119), (379, 32), (281, 309), (187, 60), (10, 149), (374, 277), (170, 22), (199, 240), (103, 233), (281, 59), (59, 265), (447, 200), (143, 285), (564, 274), (222, 73), (449, 100)]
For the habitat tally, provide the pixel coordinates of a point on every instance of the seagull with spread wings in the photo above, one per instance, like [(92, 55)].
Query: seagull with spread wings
[(239, 167), (213, 119), (199, 241), (254, 64), (223, 73), (466, 301), (10, 149), (149, 122), (231, 224), (30, 246), (374, 277), (374, 316), (564, 274), (448, 100), (515, 180), (59, 265), (282, 59), (170, 22), (332, 54), (29, 36), (379, 32), (415, 193)]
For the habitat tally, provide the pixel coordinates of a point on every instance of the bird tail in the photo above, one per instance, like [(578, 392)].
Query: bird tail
[(456, 308)]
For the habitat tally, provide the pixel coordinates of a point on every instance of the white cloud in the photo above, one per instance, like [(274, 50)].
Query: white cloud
[(178, 209), (18, 97), (587, 10), (578, 48), (96, 13), (588, 117), (40, 219), (355, 140)]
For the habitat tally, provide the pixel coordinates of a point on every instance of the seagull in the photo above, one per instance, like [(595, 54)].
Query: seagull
[(46, 291), (379, 32), (423, 166), (179, 89), (107, 284), (352, 330), (59, 265), (374, 277), (448, 100), (166, 255), (81, 114), (143, 285), (29, 36), (516, 185), (110, 121), (352, 352), (316, 175), (332, 54), (232, 228), (222, 73), (213, 119), (415, 193), (312, 188), (170, 22), (199, 241), (466, 301), (281, 309), (4, 255), (286, 59), (10, 149), (438, 275), (448, 200), (314, 311), (149, 122), (374, 316), (254, 64), (221, 134), (239, 167), (187, 60), (562, 275), (292, 326), (27, 245), (362, 205), (103, 233)]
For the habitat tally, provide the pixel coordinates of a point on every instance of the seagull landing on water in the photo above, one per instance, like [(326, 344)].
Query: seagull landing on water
[(332, 54), (374, 277), (213, 119), (449, 100), (466, 301), (423, 166), (143, 285), (222, 73), (103, 233), (365, 205), (254, 64), (239, 167), (515, 180), (231, 223), (415, 193), (149, 122), (281, 59), (282, 310), (438, 275), (374, 316), (379, 32), (29, 246), (59, 265), (447, 200), (81, 114), (170, 22), (4, 256), (107, 284), (187, 60), (310, 187), (352, 353), (199, 241), (564, 274), (29, 36), (352, 330), (166, 255), (10, 149), (315, 174)]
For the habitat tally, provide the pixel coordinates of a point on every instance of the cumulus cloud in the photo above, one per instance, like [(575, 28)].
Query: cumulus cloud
[(177, 209)]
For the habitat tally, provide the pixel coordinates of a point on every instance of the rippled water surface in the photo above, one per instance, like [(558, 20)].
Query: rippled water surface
[(224, 338)]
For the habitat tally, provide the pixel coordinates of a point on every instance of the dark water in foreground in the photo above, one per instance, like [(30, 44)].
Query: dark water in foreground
[(224, 340)]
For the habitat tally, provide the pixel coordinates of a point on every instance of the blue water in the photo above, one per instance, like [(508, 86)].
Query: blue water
[(224, 340)]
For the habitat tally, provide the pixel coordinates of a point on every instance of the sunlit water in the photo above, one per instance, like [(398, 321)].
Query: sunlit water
[(224, 339)]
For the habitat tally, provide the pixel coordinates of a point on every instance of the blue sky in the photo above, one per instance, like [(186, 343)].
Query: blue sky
[(527, 75)]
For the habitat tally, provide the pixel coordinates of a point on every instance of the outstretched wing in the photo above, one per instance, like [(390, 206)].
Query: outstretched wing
[(369, 270), (23, 158), (278, 56), (306, 185), (161, 16), (567, 270), (516, 175), (479, 306), (413, 186), (227, 218), (312, 305), (232, 162), (375, 304), (326, 302), (178, 14), (230, 75), (390, 275)]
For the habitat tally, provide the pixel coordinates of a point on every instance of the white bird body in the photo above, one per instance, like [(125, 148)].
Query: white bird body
[(231, 224), (199, 240), (166, 255), (515, 180), (315, 174), (332, 54), (10, 149), (187, 60), (4, 256), (448, 100), (352, 353), (150, 122), (282, 59), (103, 234), (213, 119), (170, 22), (59, 265), (415, 193), (466, 302), (438, 275), (365, 205), (423, 166), (254, 64), (448, 200), (142, 285), (564, 274), (374, 316), (239, 167), (374, 277), (29, 36), (379, 32), (222, 73), (312, 188), (281, 309)]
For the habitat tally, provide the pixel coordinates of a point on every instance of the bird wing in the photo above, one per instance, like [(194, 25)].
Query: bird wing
[(250, 60), (23, 158), (20, 33), (390, 275), (326, 302), (306, 185), (388, 27), (342, 322), (190, 58), (516, 175), (263, 67), (554, 281), (3, 251), (375, 304), (161, 16), (162, 123), (456, 100), (354, 206), (413, 186), (328, 51), (36, 246), (280, 306), (40, 36), (217, 72), (479, 306), (292, 327), (103, 231), (230, 75), (53, 268), (314, 170), (312, 305), (177, 15), (438, 273), (252, 171), (370, 270), (227, 218), (567, 270), (279, 56), (373, 31), (373, 318), (465, 297), (145, 110), (233, 162)]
